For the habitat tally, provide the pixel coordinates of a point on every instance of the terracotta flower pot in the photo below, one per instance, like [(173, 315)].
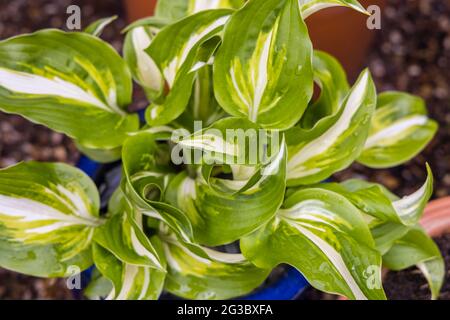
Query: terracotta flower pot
[(343, 33), (435, 221), (339, 31), (137, 9)]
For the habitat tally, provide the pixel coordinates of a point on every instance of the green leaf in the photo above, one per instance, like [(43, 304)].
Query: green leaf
[(203, 105), (130, 282), (263, 69), (376, 201), (101, 155), (223, 210), (178, 50), (386, 233), (70, 82), (48, 214), (325, 237), (176, 9), (96, 28), (417, 248), (334, 142), (400, 129), (309, 7), (332, 80), (143, 68), (217, 277), (99, 286)]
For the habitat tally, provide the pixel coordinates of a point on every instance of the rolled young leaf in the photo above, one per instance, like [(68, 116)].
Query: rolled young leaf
[(219, 276), (71, 82), (130, 282), (325, 237), (203, 105), (330, 76), (222, 210), (146, 175), (334, 142), (417, 248), (48, 214), (176, 50), (233, 141), (96, 28), (144, 70), (400, 129), (309, 7), (263, 69)]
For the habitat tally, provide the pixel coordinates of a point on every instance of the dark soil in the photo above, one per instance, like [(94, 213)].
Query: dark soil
[(410, 284)]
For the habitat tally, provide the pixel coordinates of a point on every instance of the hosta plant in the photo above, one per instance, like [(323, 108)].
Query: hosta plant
[(219, 76)]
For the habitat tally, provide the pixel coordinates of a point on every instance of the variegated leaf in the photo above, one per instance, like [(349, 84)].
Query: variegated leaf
[(334, 142), (147, 174), (400, 129), (326, 238), (376, 201), (233, 141), (130, 282), (96, 28), (223, 210), (177, 51), (417, 248), (218, 276), (176, 9), (124, 237), (143, 68), (309, 7), (330, 76), (263, 69), (71, 82), (48, 214)]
